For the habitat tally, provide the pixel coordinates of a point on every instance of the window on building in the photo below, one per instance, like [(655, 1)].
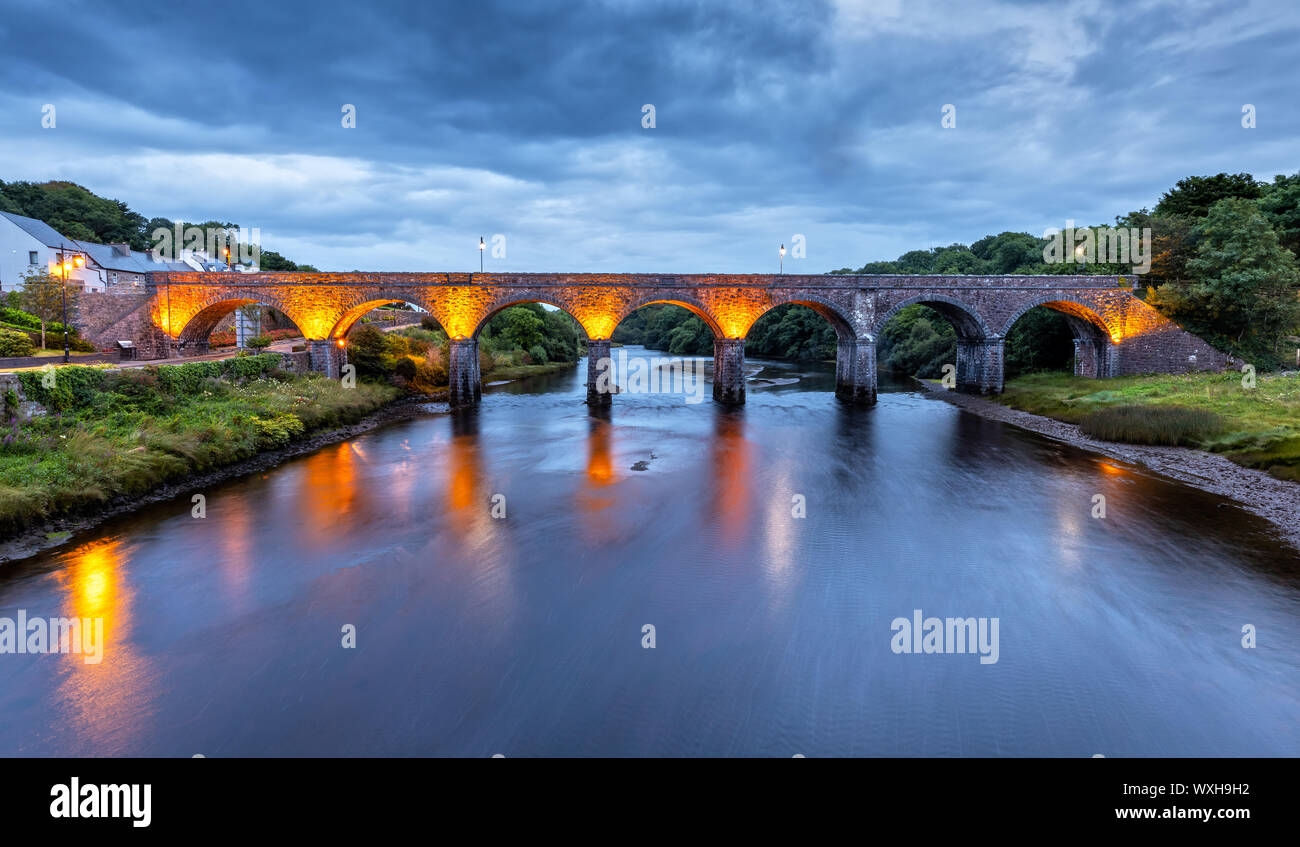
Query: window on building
[(112, 277), (31, 257)]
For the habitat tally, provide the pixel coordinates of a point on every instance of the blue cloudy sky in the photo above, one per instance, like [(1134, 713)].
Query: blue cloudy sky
[(523, 118)]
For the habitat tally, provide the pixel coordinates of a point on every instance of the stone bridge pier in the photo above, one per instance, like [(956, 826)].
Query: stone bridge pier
[(979, 365), (600, 382), (466, 388), (855, 371)]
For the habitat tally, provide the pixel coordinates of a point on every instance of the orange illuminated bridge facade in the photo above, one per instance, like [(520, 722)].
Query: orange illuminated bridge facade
[(1115, 332)]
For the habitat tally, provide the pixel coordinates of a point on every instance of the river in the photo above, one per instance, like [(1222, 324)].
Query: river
[(771, 548)]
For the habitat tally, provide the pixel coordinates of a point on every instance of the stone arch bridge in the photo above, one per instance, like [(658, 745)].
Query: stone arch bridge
[(1114, 331)]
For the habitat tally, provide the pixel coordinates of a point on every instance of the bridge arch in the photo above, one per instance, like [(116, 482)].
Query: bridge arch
[(360, 307), (843, 326), (1065, 305), (499, 307), (965, 319), (1094, 338), (211, 310), (691, 304)]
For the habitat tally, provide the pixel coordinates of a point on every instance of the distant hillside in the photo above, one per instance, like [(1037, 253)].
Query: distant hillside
[(81, 214)]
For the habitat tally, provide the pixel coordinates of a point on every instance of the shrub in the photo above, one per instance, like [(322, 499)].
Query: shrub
[(17, 317), (15, 343), (73, 386), (427, 322), (405, 368), (278, 430), (367, 349), (260, 342), (1167, 425)]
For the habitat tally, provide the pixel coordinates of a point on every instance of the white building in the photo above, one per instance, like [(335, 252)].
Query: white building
[(117, 268), (27, 244)]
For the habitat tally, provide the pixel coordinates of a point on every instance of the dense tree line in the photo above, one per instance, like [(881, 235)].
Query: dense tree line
[(1223, 265), (81, 214)]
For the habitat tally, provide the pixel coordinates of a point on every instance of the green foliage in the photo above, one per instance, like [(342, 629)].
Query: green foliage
[(1168, 425), (1192, 197), (917, 341), (75, 212), (15, 343), (19, 318), (1040, 341), (73, 386), (79, 213), (666, 326), (529, 327), (276, 431), (1244, 291), (42, 295), (791, 332), (259, 342), (368, 352), (1261, 426), (1280, 202), (124, 435), (191, 377)]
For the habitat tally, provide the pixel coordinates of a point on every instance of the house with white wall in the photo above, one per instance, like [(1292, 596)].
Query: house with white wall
[(27, 244), (119, 269)]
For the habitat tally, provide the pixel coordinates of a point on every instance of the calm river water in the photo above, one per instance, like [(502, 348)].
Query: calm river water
[(523, 635)]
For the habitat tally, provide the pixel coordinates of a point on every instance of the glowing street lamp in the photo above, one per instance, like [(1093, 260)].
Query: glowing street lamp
[(66, 265), (782, 262), (481, 245)]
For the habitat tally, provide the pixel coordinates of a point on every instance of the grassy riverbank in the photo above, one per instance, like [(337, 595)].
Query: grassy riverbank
[(506, 373), (120, 433), (1256, 427)]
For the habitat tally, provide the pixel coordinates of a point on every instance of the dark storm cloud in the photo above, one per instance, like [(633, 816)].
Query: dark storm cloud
[(524, 118)]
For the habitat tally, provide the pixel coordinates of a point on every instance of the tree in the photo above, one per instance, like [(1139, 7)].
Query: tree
[(791, 331), (1280, 203), (1173, 243), (1244, 289), (520, 328), (1194, 195), (42, 296), (1009, 252)]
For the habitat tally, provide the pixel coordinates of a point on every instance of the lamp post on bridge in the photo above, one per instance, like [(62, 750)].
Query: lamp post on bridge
[(781, 265), (480, 254)]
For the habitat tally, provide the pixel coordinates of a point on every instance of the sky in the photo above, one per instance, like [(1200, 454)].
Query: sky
[(813, 123)]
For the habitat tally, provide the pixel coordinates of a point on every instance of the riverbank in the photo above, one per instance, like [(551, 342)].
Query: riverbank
[(510, 373), (386, 406), (112, 440), (1258, 492)]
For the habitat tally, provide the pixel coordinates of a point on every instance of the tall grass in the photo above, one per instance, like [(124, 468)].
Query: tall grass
[(1259, 425), (121, 434), (1168, 425)]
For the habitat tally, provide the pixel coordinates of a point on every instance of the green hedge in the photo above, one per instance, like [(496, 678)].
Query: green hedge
[(75, 386)]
